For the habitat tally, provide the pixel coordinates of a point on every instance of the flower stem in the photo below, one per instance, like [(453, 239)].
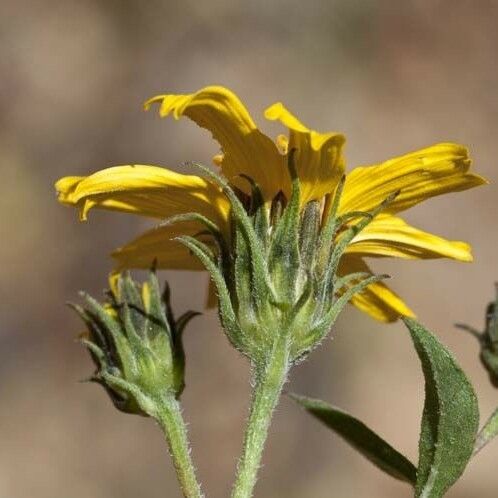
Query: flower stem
[(171, 421), (269, 380)]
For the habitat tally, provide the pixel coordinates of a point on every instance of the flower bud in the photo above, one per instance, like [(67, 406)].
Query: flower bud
[(488, 339), (135, 343)]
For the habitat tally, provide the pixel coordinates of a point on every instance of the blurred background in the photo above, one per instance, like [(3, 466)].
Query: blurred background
[(393, 76)]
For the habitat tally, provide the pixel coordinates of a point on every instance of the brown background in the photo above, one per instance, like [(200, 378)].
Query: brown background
[(394, 76)]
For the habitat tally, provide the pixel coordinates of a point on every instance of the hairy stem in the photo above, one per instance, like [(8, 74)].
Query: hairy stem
[(487, 433), (269, 380), (171, 421)]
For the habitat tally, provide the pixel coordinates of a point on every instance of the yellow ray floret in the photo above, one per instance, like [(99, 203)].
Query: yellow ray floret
[(378, 300), (245, 150), (425, 173), (146, 190), (390, 236), (319, 158), (157, 247)]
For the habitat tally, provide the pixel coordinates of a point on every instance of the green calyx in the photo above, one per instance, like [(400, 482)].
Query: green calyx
[(136, 344), (277, 273), (488, 339)]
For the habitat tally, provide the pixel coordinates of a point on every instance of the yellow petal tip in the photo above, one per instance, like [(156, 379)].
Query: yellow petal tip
[(153, 100), (273, 112)]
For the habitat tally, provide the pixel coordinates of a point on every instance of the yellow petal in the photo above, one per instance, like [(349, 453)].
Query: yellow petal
[(378, 300), (422, 174), (65, 188), (319, 158), (156, 247), (391, 236), (113, 282), (145, 190), (245, 149)]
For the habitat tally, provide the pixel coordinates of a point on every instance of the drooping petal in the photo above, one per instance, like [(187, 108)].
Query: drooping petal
[(422, 174), (390, 236), (65, 187), (378, 300), (245, 149), (156, 247), (145, 190), (319, 158)]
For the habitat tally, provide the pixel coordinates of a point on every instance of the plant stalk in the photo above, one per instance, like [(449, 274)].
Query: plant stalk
[(269, 381), (170, 419)]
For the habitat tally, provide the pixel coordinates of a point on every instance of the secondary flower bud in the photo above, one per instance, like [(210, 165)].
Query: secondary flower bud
[(136, 344), (488, 339)]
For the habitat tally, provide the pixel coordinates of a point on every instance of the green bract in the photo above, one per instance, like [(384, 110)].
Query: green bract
[(136, 344), (276, 274)]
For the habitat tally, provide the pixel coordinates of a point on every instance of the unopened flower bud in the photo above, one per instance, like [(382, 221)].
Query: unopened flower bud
[(136, 344), (488, 339)]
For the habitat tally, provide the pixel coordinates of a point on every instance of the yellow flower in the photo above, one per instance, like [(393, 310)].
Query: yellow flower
[(246, 152)]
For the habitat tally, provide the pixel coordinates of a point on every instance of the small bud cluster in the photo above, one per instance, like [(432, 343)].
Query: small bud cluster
[(136, 344)]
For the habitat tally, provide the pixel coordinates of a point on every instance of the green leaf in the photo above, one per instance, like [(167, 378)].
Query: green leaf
[(450, 419), (488, 432), (360, 437)]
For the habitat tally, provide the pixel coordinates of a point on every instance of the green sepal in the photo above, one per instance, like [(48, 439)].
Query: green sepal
[(330, 222), (348, 236), (94, 330), (361, 438), (284, 257), (211, 227), (97, 353), (179, 351), (259, 212), (202, 220), (309, 233), (329, 258), (450, 418), (158, 314), (146, 404), (277, 209), (182, 322), (245, 299), (259, 272), (342, 282), (130, 326), (225, 307), (115, 336), (130, 302), (327, 320)]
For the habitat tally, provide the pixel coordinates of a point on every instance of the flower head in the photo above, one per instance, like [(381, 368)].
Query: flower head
[(256, 169)]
